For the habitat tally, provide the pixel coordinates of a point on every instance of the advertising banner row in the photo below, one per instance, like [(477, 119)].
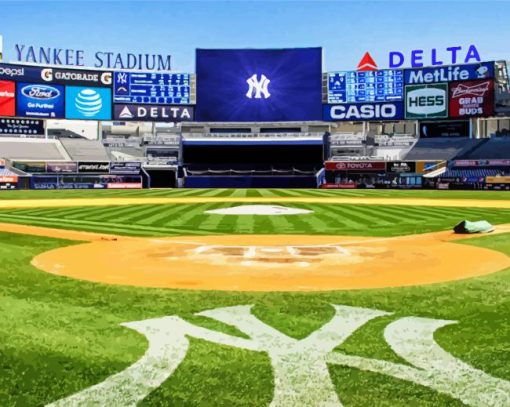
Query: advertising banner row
[(397, 167), (35, 100), (435, 101), (81, 167)]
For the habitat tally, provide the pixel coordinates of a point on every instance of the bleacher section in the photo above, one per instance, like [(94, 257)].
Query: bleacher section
[(32, 149), (84, 150), (494, 148), (442, 148)]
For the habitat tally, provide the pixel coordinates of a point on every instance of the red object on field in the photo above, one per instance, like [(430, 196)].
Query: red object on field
[(124, 185), (339, 186), (367, 63)]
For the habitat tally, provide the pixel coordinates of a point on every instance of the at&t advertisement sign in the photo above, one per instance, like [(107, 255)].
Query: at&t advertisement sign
[(88, 103)]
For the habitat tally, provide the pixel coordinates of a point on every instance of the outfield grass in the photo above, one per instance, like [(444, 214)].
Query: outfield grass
[(224, 192), (59, 336)]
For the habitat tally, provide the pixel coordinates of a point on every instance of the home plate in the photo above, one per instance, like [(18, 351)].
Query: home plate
[(259, 210)]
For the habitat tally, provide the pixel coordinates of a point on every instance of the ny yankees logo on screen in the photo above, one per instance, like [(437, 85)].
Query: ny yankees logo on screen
[(258, 87), (300, 367)]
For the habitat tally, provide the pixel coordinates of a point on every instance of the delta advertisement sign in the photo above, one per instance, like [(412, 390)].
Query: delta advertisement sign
[(417, 58), (471, 98)]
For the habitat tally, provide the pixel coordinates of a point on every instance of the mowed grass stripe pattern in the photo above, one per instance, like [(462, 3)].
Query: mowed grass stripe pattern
[(223, 192), (160, 220)]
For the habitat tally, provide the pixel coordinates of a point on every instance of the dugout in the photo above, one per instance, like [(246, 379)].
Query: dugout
[(252, 163)]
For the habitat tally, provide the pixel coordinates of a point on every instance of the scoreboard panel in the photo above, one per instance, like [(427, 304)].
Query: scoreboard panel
[(366, 86), (152, 88)]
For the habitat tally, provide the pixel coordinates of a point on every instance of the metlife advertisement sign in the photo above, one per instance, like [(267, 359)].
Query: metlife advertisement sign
[(364, 111), (483, 70), (426, 101), (259, 85), (40, 101), (84, 103)]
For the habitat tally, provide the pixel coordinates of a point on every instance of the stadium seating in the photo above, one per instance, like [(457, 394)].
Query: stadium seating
[(442, 148), (81, 149), (494, 148), (32, 149)]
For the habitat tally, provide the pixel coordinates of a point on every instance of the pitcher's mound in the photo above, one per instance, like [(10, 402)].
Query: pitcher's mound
[(259, 210)]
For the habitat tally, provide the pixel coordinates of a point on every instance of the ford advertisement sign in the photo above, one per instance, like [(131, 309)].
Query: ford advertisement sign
[(426, 101), (364, 111), (42, 101), (83, 103), (483, 70)]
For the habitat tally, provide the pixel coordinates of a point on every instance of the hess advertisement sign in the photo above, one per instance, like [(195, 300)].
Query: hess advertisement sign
[(42, 101), (472, 98), (426, 101), (7, 98)]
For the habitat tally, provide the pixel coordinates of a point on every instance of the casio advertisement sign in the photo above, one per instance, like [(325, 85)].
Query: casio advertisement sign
[(76, 77), (426, 101), (483, 70), (364, 111), (153, 113)]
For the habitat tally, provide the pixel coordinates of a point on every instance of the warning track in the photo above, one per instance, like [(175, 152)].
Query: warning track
[(76, 202)]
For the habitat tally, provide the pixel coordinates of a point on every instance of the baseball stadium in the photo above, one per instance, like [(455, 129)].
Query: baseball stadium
[(261, 230)]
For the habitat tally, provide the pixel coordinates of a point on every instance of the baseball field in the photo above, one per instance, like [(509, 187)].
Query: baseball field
[(253, 298)]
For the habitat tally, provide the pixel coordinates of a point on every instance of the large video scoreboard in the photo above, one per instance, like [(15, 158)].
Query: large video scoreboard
[(366, 86), (152, 88)]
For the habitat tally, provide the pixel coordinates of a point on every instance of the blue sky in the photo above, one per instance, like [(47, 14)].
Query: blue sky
[(345, 29)]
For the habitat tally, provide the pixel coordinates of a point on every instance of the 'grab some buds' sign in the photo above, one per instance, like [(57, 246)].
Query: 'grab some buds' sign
[(472, 98)]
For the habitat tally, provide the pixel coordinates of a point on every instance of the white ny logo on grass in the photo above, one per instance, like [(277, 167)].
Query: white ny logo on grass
[(258, 87), (300, 367)]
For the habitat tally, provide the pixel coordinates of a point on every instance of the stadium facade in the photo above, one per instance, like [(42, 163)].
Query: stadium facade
[(255, 118)]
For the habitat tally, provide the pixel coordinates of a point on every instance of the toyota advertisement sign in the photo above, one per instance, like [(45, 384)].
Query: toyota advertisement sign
[(426, 101), (472, 98), (40, 101)]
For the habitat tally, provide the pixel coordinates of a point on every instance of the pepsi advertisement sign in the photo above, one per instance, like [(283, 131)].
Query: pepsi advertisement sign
[(84, 103), (364, 111), (259, 85), (41, 101), (483, 70), (20, 73)]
